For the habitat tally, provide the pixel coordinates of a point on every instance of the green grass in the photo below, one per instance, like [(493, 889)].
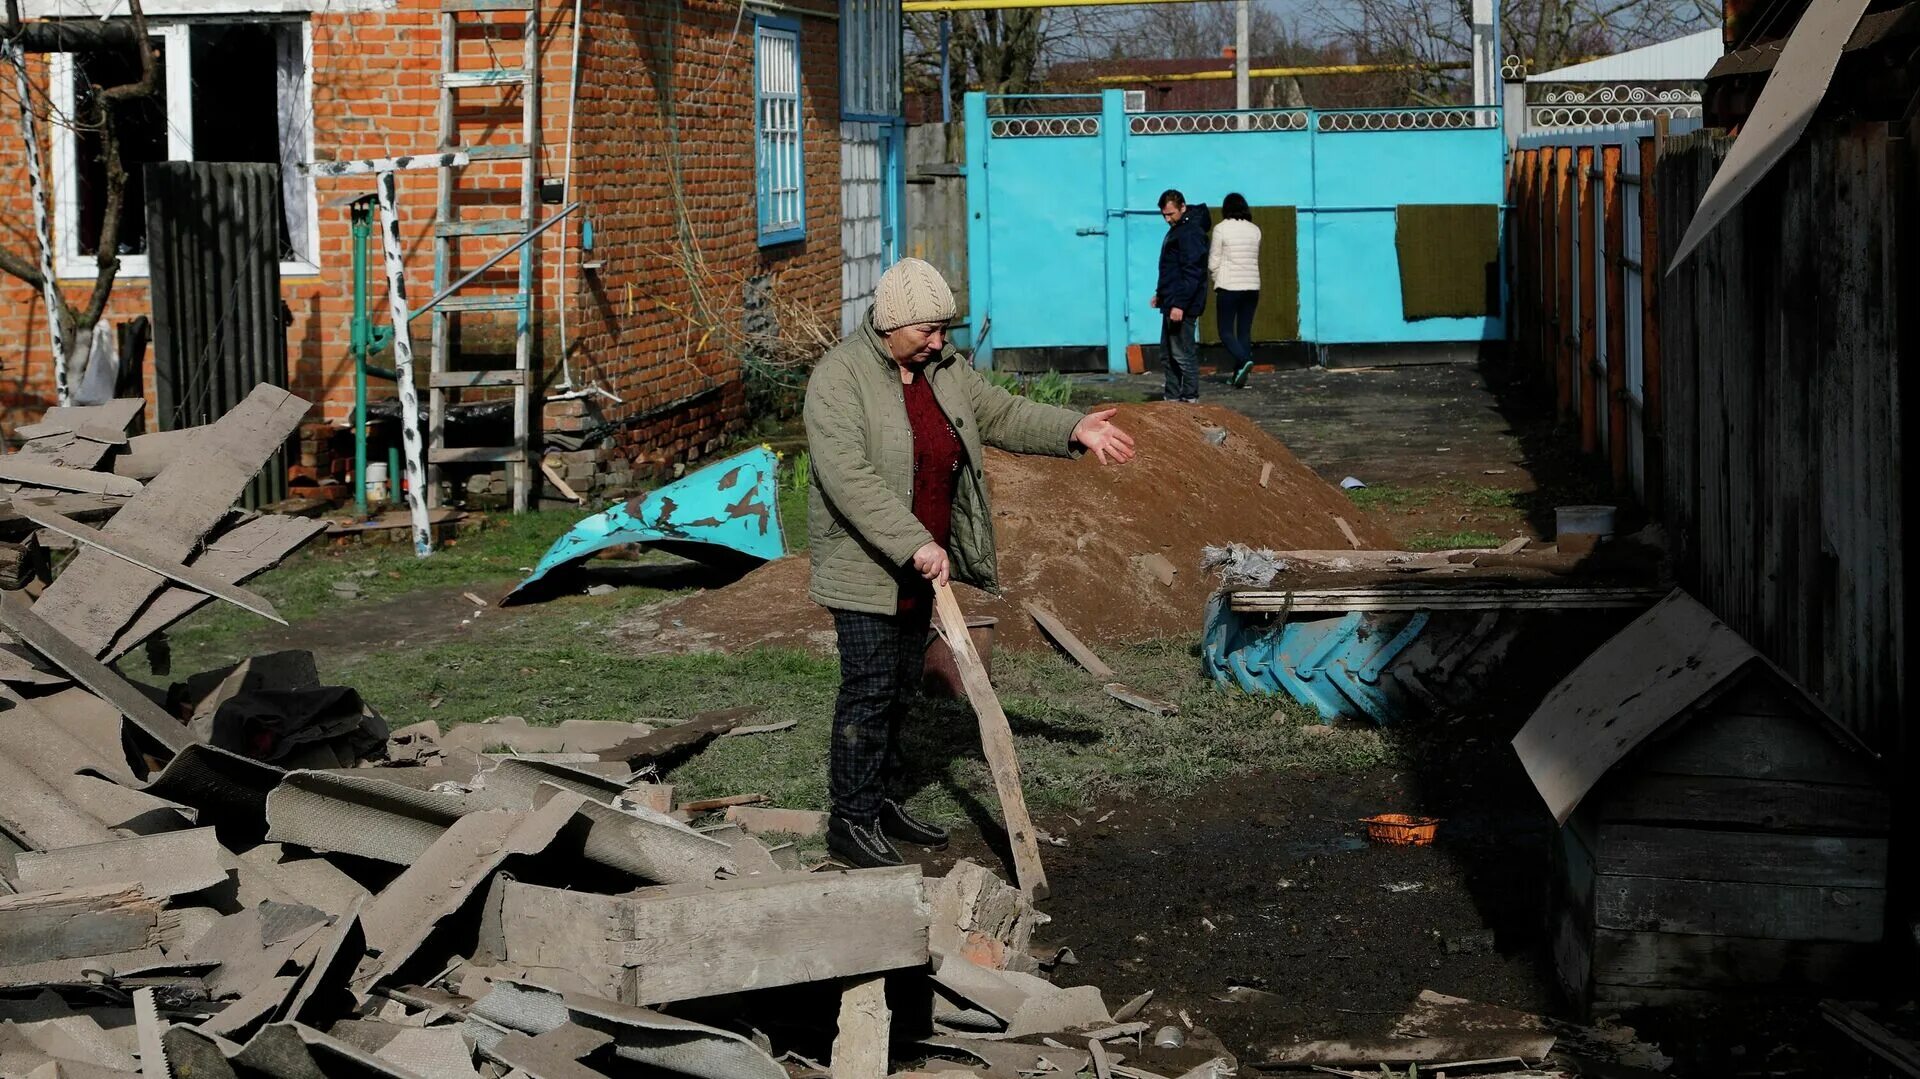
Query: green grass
[(1485, 497), (1447, 541), (1387, 497), (1076, 745), (566, 659)]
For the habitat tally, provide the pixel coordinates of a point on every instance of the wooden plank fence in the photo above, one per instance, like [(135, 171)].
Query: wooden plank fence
[(1753, 400)]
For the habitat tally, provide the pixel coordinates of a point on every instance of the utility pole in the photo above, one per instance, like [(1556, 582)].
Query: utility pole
[(1242, 96)]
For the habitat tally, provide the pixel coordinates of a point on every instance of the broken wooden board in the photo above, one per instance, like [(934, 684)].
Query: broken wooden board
[(131, 550), (1051, 625), (1133, 698), (708, 805), (688, 941), (108, 416), (166, 864), (234, 555), (996, 739), (98, 595), (78, 507), (1873, 1037), (14, 468), (46, 639), (45, 926), (805, 823), (680, 738), (1368, 1052), (861, 1042)]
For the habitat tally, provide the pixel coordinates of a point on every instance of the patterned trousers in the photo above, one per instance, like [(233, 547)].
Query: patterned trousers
[(881, 659)]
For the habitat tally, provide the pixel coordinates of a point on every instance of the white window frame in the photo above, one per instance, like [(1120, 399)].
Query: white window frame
[(68, 261)]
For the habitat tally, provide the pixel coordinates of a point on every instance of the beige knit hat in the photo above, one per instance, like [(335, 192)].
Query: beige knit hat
[(910, 292)]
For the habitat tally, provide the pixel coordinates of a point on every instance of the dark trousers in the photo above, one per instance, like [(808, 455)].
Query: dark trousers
[(1180, 355), (1236, 322), (881, 660)]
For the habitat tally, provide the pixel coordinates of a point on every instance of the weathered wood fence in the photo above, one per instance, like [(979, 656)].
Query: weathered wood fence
[(1757, 404)]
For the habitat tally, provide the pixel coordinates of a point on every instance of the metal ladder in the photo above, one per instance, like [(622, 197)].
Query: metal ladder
[(450, 228)]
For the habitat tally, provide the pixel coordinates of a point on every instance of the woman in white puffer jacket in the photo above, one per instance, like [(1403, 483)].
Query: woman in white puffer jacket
[(1234, 262)]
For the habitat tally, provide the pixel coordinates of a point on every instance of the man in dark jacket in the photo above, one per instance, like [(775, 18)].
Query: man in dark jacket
[(1182, 294)]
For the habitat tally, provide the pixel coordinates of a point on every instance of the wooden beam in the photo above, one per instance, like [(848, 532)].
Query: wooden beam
[(91, 673), (65, 479), (1586, 357), (679, 738), (1064, 637), (682, 942), (1614, 214), (860, 1046), (1133, 698), (75, 923), (1873, 1037), (996, 739), (129, 550)]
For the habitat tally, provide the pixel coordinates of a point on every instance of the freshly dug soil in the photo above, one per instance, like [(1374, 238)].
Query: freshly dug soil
[(1079, 537)]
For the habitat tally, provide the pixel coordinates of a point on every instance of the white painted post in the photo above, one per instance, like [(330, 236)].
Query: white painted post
[(49, 286), (1242, 96), (1486, 66), (412, 465)]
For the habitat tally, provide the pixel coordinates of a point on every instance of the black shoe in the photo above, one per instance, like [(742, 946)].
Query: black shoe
[(896, 822), (860, 845)]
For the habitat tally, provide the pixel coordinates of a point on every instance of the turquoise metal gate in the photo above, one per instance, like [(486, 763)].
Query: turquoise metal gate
[(1064, 235)]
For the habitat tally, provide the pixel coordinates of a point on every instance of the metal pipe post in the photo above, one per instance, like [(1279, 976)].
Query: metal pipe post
[(946, 59), (361, 345)]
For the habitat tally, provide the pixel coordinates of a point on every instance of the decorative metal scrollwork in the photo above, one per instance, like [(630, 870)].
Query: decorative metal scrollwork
[(1044, 127)]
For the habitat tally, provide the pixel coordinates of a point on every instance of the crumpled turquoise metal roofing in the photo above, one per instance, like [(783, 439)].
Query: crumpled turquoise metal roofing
[(731, 504)]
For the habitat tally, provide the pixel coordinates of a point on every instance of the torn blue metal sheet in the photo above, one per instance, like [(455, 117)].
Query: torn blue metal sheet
[(1336, 666), (730, 504)]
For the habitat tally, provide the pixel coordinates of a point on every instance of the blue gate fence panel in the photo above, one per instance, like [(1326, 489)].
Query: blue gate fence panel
[(1064, 234), (1271, 164), (1048, 203)]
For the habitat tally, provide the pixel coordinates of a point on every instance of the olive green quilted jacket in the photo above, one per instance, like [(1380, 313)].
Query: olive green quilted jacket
[(860, 511)]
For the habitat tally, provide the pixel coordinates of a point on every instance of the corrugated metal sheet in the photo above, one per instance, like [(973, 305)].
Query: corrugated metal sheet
[(213, 247), (1684, 59)]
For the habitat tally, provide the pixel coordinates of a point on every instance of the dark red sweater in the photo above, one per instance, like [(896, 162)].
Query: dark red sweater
[(937, 454)]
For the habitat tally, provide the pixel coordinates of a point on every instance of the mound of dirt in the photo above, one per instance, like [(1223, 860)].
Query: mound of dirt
[(1097, 544)]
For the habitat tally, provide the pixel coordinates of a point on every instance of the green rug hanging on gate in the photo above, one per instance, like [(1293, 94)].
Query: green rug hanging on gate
[(1449, 260)]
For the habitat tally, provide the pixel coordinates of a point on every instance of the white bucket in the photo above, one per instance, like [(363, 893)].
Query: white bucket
[(376, 481)]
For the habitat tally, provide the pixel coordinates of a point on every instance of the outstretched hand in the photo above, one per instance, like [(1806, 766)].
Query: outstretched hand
[(1097, 433)]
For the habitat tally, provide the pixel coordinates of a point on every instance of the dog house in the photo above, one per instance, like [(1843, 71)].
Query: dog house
[(1719, 832)]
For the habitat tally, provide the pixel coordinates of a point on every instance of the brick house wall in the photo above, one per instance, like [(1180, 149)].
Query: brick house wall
[(648, 68)]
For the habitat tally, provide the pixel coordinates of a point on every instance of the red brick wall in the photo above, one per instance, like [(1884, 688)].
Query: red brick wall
[(374, 95)]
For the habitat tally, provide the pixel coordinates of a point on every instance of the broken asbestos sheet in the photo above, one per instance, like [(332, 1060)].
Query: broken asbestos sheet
[(730, 505)]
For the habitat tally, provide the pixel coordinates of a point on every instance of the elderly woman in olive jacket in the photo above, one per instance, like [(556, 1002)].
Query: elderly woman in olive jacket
[(896, 427)]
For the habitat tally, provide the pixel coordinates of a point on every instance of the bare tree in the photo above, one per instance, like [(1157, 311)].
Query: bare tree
[(95, 114), (1544, 34), (1003, 52)]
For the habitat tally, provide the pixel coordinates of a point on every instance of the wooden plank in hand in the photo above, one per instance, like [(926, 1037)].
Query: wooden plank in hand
[(129, 550), (996, 739), (1072, 645)]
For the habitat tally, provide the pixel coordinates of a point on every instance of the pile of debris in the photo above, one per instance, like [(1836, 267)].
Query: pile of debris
[(249, 875)]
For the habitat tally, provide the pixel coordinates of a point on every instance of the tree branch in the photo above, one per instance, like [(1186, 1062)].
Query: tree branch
[(14, 266)]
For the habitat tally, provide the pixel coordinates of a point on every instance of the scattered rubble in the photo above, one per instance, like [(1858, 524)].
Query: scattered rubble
[(249, 874)]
